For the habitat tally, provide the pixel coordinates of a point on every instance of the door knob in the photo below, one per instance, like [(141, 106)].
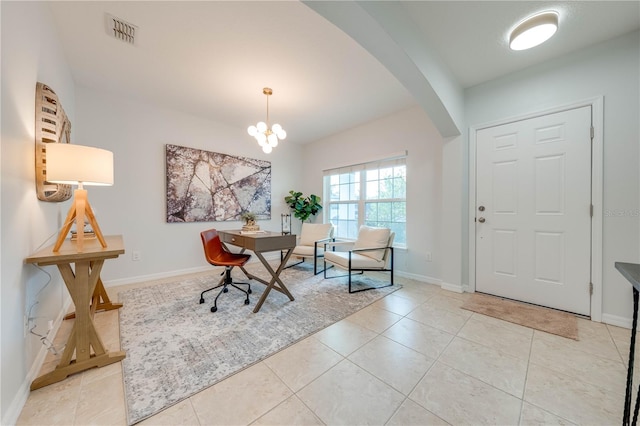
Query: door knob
[(481, 219), (481, 208)]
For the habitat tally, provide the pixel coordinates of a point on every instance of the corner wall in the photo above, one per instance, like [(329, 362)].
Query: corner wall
[(30, 53), (610, 69), (409, 130)]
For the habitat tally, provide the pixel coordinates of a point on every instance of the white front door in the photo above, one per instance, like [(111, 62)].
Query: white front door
[(533, 210)]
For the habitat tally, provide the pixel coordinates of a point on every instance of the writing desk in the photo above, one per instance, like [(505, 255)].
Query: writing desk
[(260, 243), (81, 281), (631, 271)]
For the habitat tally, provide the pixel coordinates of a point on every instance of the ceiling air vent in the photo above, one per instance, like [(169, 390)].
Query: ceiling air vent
[(121, 29)]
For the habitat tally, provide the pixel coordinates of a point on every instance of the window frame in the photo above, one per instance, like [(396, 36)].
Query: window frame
[(361, 201)]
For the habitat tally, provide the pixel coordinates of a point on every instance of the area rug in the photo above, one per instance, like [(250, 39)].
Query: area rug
[(543, 319), (177, 347)]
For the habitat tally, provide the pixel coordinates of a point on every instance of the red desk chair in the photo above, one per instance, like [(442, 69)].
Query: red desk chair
[(216, 255)]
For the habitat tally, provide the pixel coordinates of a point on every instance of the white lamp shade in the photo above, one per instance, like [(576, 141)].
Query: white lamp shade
[(267, 149), (78, 164), (252, 130), (262, 126)]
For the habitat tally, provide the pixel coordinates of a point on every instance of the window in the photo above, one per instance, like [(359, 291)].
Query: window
[(372, 194)]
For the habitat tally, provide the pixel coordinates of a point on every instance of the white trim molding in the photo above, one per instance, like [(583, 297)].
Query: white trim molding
[(597, 188)]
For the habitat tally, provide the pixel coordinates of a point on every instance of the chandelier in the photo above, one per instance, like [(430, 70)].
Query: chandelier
[(267, 137)]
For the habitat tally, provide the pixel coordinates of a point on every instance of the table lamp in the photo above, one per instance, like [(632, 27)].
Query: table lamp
[(79, 165)]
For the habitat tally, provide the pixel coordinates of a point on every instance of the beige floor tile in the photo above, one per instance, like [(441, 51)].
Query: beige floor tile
[(417, 294), (564, 358), (348, 395), (412, 414), (446, 302), (503, 339), (496, 368), (463, 400), (345, 336), (180, 414), (396, 304), (535, 416), (393, 363), (102, 402), (300, 364), (572, 399), (291, 412), (55, 404), (443, 319), (242, 398), (100, 373), (375, 319), (427, 340)]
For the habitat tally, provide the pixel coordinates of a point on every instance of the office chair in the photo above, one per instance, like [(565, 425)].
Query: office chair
[(216, 255)]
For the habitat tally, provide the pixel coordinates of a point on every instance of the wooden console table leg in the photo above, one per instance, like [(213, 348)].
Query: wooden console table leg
[(84, 336), (100, 300), (275, 277)]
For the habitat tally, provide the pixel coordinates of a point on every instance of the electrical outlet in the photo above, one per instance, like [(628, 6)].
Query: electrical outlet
[(428, 256), (135, 255)]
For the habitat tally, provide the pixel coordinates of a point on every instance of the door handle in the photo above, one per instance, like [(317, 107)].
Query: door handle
[(481, 219)]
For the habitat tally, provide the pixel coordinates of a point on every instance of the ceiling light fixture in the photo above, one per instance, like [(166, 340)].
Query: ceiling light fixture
[(267, 137), (534, 30)]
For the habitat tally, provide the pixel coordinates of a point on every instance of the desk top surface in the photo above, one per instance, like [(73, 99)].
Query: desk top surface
[(69, 253), (251, 234), (630, 271)]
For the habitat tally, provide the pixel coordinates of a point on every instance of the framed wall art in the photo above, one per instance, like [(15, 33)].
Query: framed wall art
[(205, 186)]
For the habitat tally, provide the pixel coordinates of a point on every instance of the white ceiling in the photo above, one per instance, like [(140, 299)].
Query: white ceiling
[(212, 58)]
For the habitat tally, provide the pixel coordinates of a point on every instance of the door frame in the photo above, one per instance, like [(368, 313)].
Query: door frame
[(597, 183)]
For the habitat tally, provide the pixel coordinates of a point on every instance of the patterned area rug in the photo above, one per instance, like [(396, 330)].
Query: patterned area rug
[(544, 319), (176, 347)]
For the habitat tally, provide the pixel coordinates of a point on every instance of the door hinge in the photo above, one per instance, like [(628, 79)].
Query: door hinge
[(591, 210), (593, 133), (590, 288)]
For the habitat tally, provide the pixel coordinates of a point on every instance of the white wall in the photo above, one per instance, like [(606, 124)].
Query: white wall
[(409, 130), (612, 70), (135, 206), (30, 53)]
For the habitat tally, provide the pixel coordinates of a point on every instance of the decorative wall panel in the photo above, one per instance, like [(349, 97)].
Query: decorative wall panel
[(52, 126), (205, 186)]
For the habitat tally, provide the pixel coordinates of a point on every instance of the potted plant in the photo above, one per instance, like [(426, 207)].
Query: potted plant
[(303, 207), (249, 221)]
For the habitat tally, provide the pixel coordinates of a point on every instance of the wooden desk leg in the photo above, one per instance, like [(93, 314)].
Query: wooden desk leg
[(275, 278), (84, 336)]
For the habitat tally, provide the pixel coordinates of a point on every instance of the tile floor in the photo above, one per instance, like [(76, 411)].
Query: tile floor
[(412, 358)]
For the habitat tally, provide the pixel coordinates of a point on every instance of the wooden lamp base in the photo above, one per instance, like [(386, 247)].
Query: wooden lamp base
[(79, 209)]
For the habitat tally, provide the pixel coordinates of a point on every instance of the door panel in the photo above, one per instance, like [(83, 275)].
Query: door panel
[(534, 181)]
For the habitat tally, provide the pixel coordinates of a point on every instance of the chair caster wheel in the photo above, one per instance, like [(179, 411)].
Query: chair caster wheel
[(213, 309), (249, 291), (246, 302), (201, 301), (225, 290)]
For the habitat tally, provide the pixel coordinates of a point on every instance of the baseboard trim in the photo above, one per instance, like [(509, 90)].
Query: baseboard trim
[(421, 278), (16, 406), (618, 321), (456, 288)]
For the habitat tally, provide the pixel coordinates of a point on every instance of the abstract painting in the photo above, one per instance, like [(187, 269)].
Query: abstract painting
[(205, 186)]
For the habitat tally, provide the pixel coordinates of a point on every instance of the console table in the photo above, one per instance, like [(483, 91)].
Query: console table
[(631, 271), (260, 243), (82, 282)]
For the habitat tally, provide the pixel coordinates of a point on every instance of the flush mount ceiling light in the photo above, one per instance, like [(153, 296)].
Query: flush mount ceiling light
[(534, 30), (267, 137)]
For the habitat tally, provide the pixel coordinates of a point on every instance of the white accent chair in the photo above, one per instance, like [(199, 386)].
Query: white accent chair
[(372, 251), (311, 243)]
